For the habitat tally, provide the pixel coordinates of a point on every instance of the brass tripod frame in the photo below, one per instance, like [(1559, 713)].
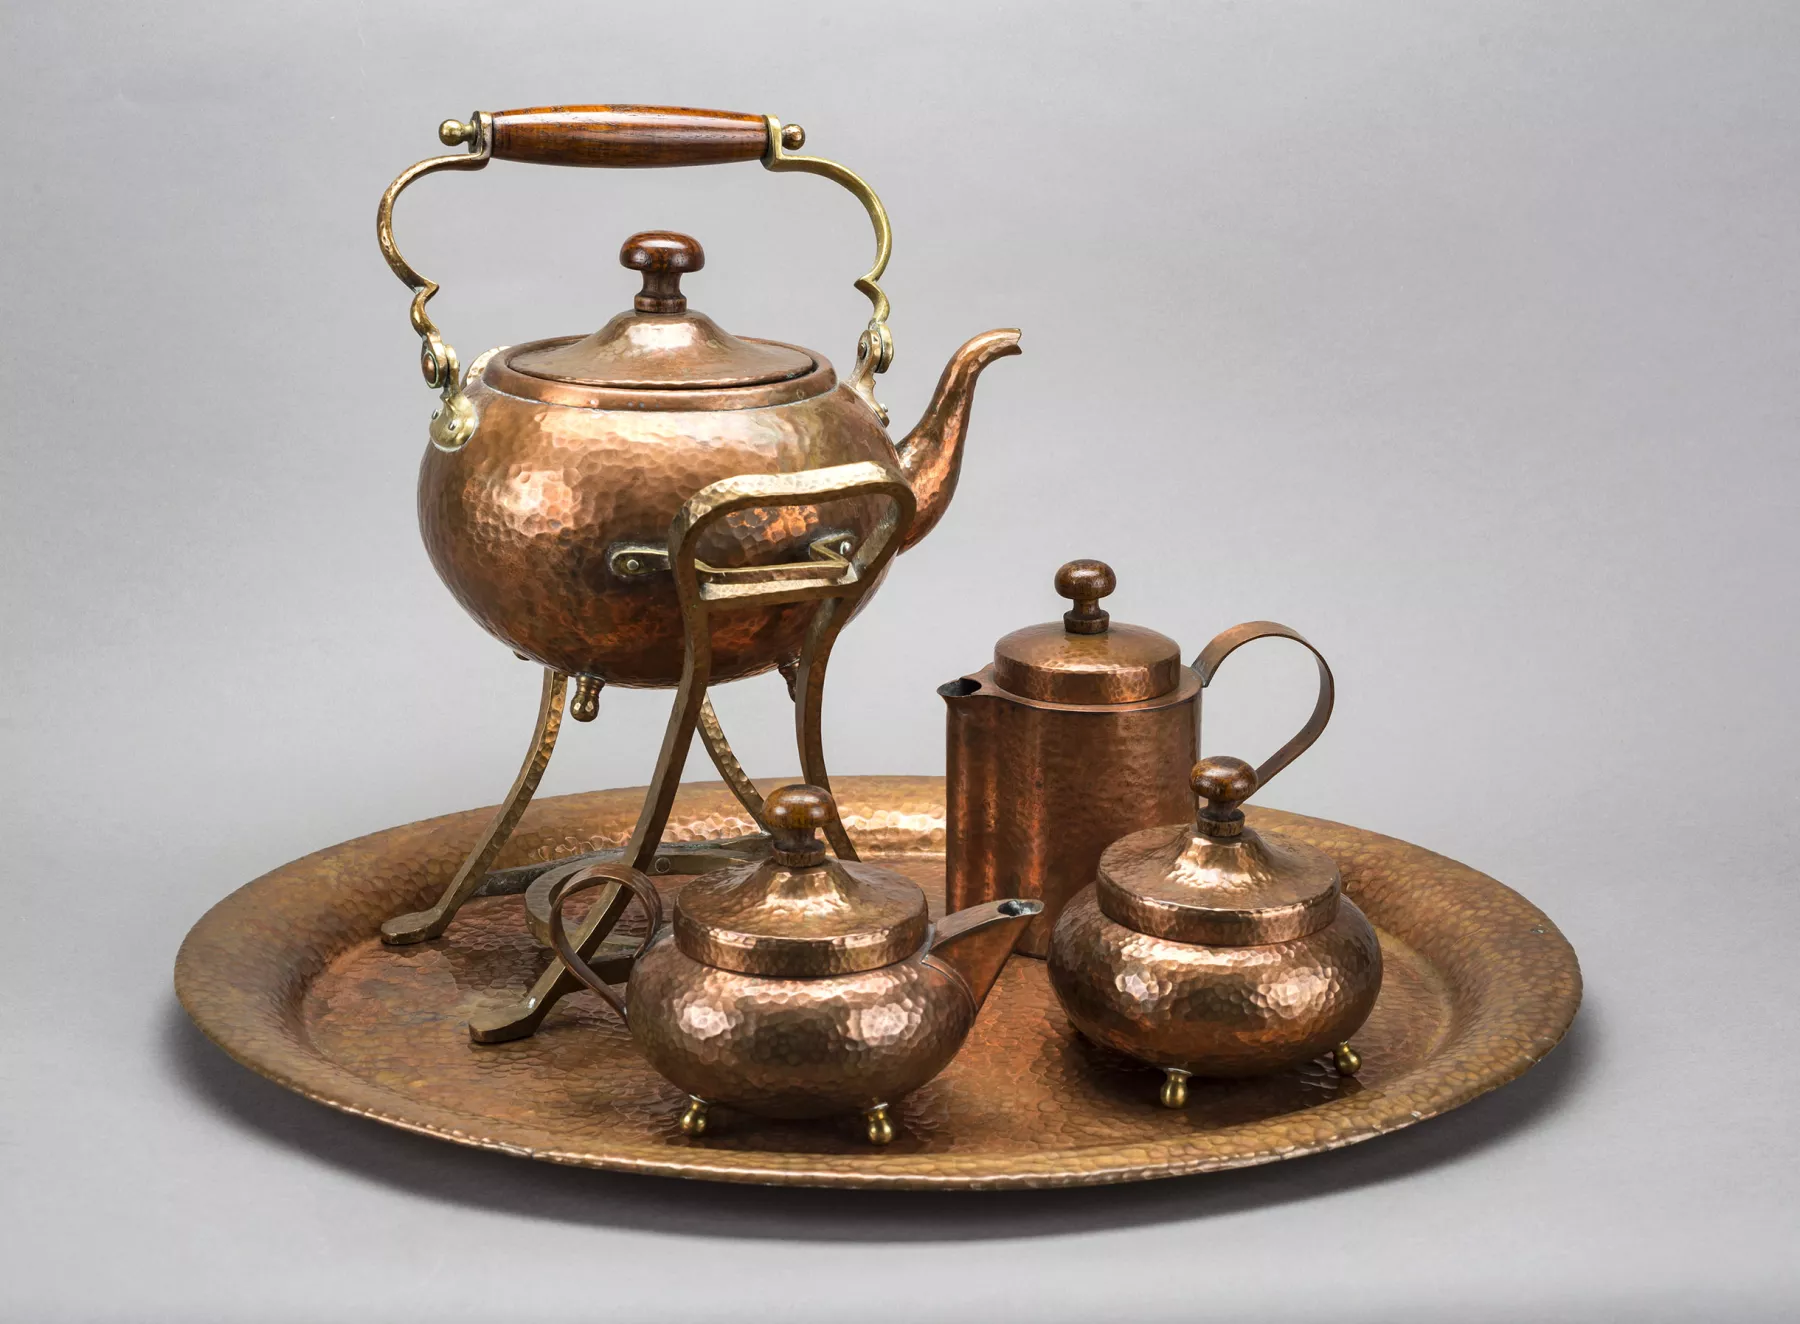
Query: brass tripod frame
[(832, 576)]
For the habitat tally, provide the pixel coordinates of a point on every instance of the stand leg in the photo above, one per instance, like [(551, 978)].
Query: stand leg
[(808, 689), (423, 924), (718, 748), (1347, 1060), (522, 1018)]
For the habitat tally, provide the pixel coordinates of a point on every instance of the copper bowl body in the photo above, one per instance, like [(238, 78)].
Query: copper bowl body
[(1214, 1010), (796, 1048), (519, 522)]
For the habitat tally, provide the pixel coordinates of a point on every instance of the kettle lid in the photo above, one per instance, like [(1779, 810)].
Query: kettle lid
[(800, 914), (1216, 880), (660, 344), (1087, 658)]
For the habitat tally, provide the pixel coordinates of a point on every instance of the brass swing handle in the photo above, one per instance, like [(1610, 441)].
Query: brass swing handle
[(1228, 642), (621, 137)]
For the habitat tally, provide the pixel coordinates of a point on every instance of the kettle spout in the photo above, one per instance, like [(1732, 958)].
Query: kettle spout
[(973, 944), (931, 455)]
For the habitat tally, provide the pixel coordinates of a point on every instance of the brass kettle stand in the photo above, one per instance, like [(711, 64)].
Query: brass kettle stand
[(835, 575)]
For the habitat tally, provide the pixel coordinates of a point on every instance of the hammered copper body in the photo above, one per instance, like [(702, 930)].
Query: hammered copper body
[(1214, 1011), (569, 462), (796, 1048)]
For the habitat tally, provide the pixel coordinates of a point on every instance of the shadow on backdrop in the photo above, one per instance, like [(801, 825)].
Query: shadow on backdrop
[(437, 1170)]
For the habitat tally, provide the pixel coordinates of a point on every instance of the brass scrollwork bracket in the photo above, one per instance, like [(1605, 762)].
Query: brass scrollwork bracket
[(875, 347), (453, 422)]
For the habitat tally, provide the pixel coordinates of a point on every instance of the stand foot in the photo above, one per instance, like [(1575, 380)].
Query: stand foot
[(1347, 1060), (1174, 1088), (881, 1126), (693, 1121)]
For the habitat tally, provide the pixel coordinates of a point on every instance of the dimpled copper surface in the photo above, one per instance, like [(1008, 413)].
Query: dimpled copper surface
[(796, 1047), (518, 524), (288, 976), (1215, 1011)]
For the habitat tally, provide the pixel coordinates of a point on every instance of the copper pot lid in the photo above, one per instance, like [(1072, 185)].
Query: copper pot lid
[(1217, 880), (800, 914), (660, 345), (1087, 658)]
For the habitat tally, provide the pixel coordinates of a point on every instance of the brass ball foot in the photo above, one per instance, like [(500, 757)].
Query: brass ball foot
[(693, 1121), (584, 704), (881, 1126), (1174, 1088), (1347, 1059)]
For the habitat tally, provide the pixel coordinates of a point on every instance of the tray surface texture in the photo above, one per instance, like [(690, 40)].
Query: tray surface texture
[(288, 975)]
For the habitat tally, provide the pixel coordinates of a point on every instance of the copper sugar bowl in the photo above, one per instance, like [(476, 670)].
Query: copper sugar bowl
[(556, 466), (802, 986), (1079, 731), (1208, 948)]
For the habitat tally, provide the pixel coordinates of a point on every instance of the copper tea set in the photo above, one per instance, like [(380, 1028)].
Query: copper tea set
[(663, 504)]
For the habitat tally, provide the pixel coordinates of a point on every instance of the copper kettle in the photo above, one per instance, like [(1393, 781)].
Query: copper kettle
[(556, 467), (801, 986)]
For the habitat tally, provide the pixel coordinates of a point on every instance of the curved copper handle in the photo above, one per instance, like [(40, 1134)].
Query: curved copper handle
[(593, 876), (1228, 642), (621, 137)]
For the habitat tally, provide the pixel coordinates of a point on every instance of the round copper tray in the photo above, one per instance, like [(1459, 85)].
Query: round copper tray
[(287, 975)]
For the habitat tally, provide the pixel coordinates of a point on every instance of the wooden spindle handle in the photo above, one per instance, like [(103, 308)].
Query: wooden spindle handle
[(626, 137)]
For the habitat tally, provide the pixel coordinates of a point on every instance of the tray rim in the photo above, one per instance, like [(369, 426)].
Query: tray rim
[(1553, 982)]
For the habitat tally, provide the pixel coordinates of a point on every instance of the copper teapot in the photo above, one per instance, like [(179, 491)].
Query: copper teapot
[(802, 986), (1207, 948), (556, 467)]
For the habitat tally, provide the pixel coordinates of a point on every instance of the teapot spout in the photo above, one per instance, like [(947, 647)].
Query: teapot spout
[(973, 944), (931, 454)]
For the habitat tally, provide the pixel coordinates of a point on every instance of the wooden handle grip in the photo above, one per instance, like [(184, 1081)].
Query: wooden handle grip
[(626, 137)]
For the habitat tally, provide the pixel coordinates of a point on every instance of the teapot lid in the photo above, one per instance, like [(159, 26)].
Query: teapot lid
[(1087, 658), (800, 914), (1217, 880), (660, 344)]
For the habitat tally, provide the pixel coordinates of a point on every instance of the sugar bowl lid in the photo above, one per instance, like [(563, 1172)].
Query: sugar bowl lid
[(1087, 658), (660, 344), (800, 914), (1217, 880)]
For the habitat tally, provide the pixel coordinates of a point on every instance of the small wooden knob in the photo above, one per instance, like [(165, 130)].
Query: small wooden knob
[(664, 257), (1085, 583), (1223, 783), (795, 814)]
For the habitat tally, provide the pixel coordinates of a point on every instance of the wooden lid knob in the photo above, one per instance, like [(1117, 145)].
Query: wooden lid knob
[(663, 256), (795, 814), (1223, 783), (1085, 583)]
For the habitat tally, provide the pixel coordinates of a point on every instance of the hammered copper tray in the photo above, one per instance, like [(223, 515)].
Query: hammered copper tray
[(288, 976)]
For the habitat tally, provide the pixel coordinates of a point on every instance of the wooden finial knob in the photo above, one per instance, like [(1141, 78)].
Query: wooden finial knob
[(664, 257), (1223, 783), (1085, 583), (795, 814)]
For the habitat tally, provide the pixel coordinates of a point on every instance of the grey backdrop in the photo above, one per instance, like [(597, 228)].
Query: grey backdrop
[(1461, 336)]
